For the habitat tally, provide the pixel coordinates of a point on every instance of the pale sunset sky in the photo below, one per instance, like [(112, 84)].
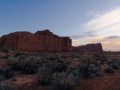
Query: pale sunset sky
[(84, 21)]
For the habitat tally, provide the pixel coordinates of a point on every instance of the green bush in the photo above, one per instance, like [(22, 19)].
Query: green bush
[(74, 69), (63, 81), (115, 66), (4, 56), (1, 78), (113, 63), (5, 50), (44, 76), (29, 65), (74, 56), (6, 72), (43, 59), (60, 60), (89, 71), (59, 67), (102, 58), (15, 63), (19, 53), (108, 69), (7, 87), (64, 56)]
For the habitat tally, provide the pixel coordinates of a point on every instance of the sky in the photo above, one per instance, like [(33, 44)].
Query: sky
[(84, 21)]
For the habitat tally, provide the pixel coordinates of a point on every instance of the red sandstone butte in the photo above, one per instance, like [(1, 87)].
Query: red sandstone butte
[(41, 41), (89, 48), (44, 41)]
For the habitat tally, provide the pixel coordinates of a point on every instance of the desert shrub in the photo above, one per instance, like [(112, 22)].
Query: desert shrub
[(63, 81), (39, 61), (98, 73), (88, 68), (64, 56), (4, 56), (95, 63), (29, 65), (89, 60), (7, 87), (89, 71), (0, 70), (99, 56), (110, 61), (5, 50), (74, 56), (115, 66), (96, 55), (6, 72), (21, 57), (19, 53), (43, 59), (60, 60), (58, 56), (75, 72), (59, 67), (43, 54), (114, 63), (44, 76), (1, 78), (74, 69), (102, 58), (108, 69), (49, 57), (14, 63)]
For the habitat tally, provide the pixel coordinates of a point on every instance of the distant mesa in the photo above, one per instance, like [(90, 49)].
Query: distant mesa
[(89, 48), (44, 41)]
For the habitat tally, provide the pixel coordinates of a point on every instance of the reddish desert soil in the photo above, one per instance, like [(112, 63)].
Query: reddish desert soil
[(2, 62), (106, 82)]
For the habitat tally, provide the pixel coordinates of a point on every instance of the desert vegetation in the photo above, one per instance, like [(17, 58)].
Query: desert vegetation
[(59, 71)]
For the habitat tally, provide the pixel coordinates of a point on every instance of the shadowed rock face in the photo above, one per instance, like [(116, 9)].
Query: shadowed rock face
[(44, 41), (89, 48), (41, 41)]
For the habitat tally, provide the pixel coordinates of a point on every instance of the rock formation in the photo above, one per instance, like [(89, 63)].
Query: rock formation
[(41, 41), (44, 41), (89, 48)]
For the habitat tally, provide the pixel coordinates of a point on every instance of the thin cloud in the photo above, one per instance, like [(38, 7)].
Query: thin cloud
[(111, 37), (84, 35), (104, 27), (104, 39), (105, 21)]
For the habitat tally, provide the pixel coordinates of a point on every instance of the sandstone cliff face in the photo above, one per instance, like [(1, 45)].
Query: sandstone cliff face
[(44, 41), (40, 41), (89, 48)]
